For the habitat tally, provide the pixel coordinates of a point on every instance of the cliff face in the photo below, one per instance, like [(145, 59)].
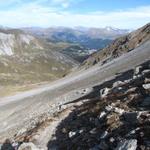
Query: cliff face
[(119, 46)]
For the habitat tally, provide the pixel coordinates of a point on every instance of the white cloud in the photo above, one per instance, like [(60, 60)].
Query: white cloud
[(38, 15), (63, 3)]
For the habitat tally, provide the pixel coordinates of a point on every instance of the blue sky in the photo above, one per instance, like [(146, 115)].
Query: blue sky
[(89, 13)]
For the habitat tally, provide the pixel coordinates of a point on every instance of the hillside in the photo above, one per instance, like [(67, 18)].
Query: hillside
[(25, 59), (119, 46)]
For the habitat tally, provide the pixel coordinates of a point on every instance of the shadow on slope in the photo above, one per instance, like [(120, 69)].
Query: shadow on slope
[(101, 123)]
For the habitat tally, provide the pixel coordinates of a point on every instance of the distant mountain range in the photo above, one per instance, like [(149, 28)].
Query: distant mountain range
[(90, 38)]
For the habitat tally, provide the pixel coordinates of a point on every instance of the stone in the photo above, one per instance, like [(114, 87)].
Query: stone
[(108, 108), (15, 145), (104, 92), (131, 90), (147, 80), (138, 70), (127, 145), (146, 86), (132, 132), (118, 110), (117, 83), (146, 102), (146, 71), (93, 131), (28, 146), (81, 131), (104, 135), (71, 134), (111, 139), (102, 115)]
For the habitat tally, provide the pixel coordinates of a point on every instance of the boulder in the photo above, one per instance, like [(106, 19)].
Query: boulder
[(138, 70), (118, 110), (104, 92), (147, 80), (147, 71), (71, 134), (108, 108), (102, 115), (146, 86), (127, 145), (131, 90), (117, 83)]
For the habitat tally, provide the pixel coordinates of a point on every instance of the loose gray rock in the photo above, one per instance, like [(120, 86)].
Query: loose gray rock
[(71, 134), (138, 70), (146, 86), (117, 83), (127, 145), (104, 92)]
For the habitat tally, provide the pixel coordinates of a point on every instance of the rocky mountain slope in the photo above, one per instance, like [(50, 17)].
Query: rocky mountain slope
[(26, 59), (114, 116), (120, 46)]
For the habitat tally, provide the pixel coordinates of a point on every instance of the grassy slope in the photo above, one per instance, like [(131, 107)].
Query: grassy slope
[(32, 63)]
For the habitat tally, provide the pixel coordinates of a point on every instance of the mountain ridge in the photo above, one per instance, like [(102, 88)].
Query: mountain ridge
[(119, 46)]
